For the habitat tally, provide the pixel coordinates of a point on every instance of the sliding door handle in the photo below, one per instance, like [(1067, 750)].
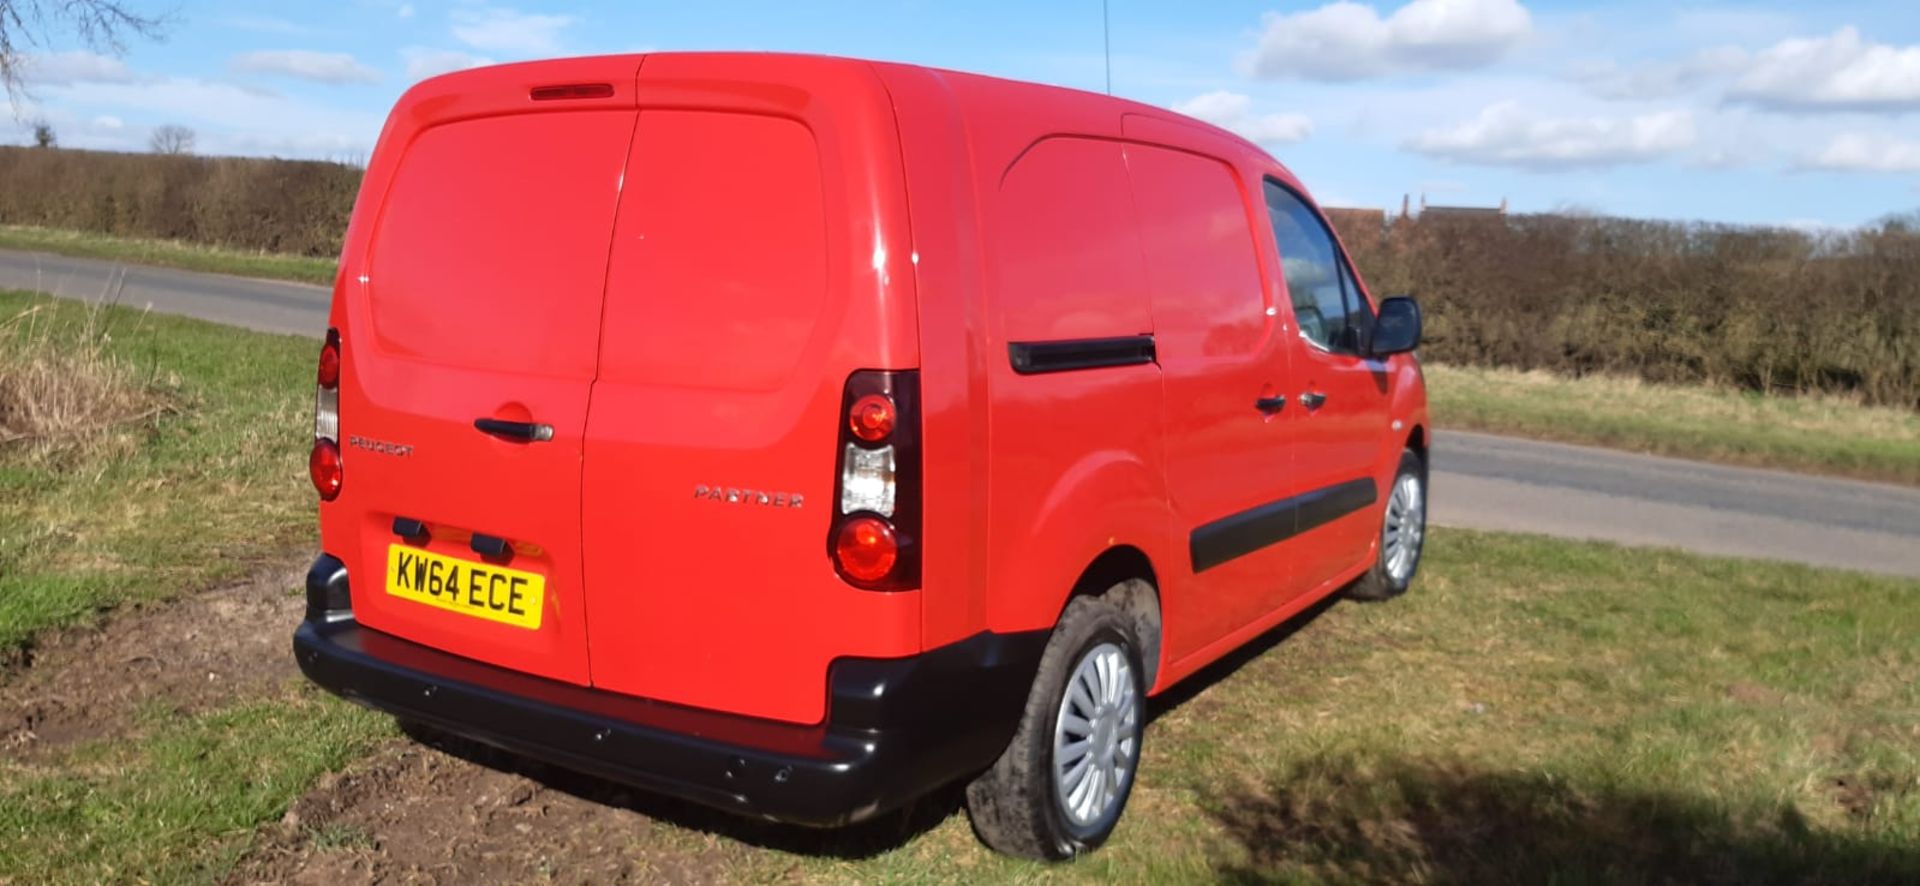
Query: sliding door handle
[(1313, 400), (530, 432), (1271, 405)]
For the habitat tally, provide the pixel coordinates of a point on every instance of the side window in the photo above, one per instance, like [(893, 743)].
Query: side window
[(1326, 299)]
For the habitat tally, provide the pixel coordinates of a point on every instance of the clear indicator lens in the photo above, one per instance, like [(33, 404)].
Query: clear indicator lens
[(867, 480), (326, 414)]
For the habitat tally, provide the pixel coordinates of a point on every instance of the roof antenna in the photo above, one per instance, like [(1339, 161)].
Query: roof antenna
[(1106, 41)]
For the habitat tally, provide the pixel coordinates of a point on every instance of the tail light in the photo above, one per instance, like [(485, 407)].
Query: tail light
[(323, 464), (875, 540)]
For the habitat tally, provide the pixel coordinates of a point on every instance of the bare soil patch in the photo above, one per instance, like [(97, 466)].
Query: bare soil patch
[(416, 814), (183, 656)]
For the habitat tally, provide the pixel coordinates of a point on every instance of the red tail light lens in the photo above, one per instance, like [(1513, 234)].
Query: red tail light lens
[(866, 548), (329, 374), (874, 541), (323, 468), (872, 418)]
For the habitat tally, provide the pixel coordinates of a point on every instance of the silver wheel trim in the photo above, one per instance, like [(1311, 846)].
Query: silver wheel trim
[(1096, 739), (1404, 529)]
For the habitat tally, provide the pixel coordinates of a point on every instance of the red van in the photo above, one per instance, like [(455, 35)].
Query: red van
[(797, 435)]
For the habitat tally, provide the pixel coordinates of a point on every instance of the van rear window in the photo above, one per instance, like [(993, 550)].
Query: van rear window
[(490, 250)]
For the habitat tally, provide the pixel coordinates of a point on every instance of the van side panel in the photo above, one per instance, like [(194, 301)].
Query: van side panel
[(954, 353), (760, 257), (1075, 454)]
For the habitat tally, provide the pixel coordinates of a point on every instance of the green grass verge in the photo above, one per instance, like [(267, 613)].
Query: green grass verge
[(1818, 434), (182, 802), (171, 254), (206, 492)]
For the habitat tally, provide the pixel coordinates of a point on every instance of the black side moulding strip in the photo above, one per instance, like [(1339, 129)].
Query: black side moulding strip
[(1036, 357), (1238, 535)]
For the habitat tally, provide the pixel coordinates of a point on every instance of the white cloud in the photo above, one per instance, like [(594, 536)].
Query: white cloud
[(1506, 135), (1862, 152), (510, 31), (405, 10), (1350, 41), (79, 66), (305, 64), (1233, 111), (1839, 72), (108, 121), (423, 62)]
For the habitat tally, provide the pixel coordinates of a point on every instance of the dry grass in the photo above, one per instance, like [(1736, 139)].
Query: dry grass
[(154, 455), (61, 390)]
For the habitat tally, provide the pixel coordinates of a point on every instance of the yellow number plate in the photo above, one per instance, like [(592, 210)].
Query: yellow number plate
[(482, 590)]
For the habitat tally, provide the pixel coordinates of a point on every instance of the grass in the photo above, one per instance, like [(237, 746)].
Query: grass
[(1816, 434), (1536, 711), (170, 253), (204, 491), (60, 390), (181, 803)]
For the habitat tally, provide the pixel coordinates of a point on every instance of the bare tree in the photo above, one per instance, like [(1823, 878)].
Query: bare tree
[(102, 25), (43, 134), (171, 139)]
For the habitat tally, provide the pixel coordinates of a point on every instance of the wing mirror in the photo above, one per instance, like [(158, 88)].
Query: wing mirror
[(1396, 329)]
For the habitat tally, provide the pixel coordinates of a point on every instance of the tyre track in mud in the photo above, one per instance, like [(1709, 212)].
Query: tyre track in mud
[(176, 658)]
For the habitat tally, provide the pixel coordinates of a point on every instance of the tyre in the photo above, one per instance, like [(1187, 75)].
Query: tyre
[(1060, 786), (1403, 533)]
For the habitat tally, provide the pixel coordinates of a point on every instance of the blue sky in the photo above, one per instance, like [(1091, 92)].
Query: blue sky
[(1762, 112)]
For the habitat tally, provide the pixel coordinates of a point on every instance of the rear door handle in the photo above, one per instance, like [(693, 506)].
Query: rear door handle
[(1313, 400), (1271, 405), (531, 432)]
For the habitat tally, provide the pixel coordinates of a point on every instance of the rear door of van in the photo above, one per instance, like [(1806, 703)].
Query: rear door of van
[(472, 334), (760, 258)]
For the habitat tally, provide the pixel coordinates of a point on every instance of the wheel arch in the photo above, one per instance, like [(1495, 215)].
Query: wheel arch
[(1125, 575), (1417, 441)]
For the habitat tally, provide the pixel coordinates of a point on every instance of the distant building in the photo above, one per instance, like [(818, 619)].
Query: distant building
[(1452, 212)]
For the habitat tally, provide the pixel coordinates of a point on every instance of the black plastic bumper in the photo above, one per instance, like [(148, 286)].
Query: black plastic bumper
[(895, 729)]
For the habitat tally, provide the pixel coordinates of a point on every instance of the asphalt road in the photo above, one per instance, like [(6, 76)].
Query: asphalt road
[(1479, 481), (262, 305)]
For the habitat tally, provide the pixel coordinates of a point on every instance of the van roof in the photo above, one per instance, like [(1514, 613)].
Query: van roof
[(998, 89)]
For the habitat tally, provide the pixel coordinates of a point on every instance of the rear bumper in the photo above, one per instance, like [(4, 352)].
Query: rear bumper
[(895, 729)]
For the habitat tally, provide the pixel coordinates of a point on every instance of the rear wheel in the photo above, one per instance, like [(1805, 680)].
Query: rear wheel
[(1060, 786), (1403, 534)]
